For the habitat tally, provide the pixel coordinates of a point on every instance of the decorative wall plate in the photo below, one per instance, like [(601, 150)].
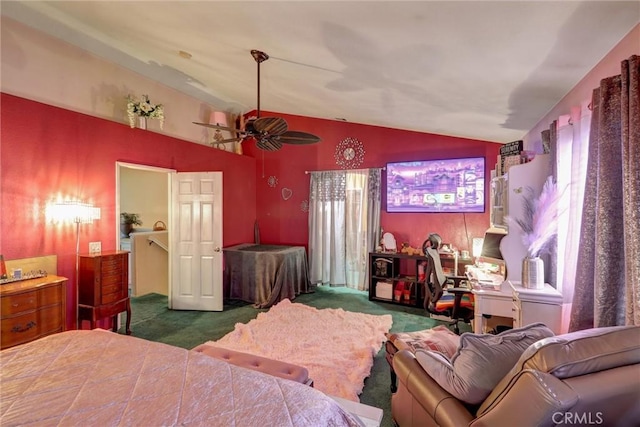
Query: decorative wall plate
[(349, 153), (272, 181)]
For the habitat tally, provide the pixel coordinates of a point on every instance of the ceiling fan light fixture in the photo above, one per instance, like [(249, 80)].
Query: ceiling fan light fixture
[(259, 56), (269, 133)]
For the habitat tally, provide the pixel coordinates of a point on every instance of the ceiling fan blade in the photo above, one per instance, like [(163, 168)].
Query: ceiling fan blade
[(298, 138), (269, 143), (270, 125), (214, 126)]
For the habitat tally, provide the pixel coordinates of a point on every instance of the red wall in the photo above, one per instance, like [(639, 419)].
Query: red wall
[(282, 221), (47, 151)]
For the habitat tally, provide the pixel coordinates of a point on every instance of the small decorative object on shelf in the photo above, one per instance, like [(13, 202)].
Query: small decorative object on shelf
[(18, 276), (159, 226), (140, 110), (539, 225)]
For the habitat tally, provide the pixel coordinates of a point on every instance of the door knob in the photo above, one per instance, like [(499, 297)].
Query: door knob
[(217, 249)]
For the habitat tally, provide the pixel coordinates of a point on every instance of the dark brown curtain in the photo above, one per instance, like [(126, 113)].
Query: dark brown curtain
[(607, 289), (550, 145)]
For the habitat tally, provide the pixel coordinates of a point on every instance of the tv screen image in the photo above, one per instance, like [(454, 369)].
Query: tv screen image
[(446, 185)]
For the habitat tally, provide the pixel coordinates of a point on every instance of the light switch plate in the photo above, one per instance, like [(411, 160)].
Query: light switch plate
[(95, 247)]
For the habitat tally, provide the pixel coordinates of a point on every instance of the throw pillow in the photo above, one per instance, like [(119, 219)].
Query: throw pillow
[(440, 339), (481, 361)]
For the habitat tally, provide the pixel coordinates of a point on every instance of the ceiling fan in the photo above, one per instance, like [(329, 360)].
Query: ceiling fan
[(268, 132)]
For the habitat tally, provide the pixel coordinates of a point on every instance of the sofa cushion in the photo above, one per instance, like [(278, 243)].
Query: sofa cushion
[(481, 361), (440, 339), (574, 354)]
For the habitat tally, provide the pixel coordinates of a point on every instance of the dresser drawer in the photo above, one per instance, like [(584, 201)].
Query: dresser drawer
[(50, 319), (50, 295), (111, 264), (18, 303), (112, 278), (19, 329), (115, 294)]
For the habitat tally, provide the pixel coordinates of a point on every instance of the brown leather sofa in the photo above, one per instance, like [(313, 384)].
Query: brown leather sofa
[(589, 377)]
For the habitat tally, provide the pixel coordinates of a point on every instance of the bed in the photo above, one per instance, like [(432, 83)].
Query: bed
[(103, 378)]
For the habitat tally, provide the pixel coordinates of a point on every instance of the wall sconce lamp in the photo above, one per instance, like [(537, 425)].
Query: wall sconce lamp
[(72, 211)]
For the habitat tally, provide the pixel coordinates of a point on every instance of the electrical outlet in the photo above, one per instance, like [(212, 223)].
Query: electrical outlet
[(95, 247)]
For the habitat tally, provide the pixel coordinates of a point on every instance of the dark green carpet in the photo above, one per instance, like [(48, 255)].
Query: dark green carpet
[(152, 320)]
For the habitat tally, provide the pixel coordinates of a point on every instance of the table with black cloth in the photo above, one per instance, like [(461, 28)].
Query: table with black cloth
[(265, 274)]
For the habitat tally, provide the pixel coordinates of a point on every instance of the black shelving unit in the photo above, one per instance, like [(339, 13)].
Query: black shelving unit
[(399, 270)]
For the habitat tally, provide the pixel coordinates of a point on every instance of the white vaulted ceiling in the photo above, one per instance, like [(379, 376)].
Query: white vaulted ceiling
[(478, 69)]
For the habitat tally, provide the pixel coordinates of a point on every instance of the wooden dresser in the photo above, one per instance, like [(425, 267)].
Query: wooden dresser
[(32, 309), (103, 289)]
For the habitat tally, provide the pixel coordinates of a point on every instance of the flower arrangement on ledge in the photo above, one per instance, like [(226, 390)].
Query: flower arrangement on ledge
[(144, 108)]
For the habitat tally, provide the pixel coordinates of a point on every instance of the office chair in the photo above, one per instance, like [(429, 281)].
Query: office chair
[(444, 295)]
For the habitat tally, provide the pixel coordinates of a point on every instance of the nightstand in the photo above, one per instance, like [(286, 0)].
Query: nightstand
[(103, 287)]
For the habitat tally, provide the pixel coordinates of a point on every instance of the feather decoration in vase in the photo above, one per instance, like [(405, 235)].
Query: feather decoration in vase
[(539, 223)]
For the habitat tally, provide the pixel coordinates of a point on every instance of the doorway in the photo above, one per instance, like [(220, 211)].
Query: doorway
[(145, 191), (189, 205)]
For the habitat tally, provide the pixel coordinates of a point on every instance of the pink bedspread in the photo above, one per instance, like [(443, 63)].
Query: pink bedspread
[(102, 378)]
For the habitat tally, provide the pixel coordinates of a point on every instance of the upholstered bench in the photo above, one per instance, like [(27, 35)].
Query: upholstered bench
[(277, 368), (439, 338)]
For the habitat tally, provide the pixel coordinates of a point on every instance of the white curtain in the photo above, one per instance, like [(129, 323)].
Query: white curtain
[(344, 223), (572, 153)]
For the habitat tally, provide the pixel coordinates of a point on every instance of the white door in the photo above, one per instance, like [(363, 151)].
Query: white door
[(195, 258)]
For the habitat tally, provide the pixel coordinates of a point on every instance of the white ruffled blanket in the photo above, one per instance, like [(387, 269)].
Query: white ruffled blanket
[(336, 346)]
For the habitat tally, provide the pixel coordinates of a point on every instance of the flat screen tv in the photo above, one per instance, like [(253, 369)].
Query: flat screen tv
[(446, 185)]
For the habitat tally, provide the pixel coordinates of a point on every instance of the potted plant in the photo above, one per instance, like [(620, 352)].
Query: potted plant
[(127, 221)]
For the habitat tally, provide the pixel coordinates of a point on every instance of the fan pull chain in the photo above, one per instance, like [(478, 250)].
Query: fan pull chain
[(262, 163)]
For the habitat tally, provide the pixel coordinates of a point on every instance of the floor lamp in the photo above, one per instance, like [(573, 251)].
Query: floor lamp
[(76, 212)]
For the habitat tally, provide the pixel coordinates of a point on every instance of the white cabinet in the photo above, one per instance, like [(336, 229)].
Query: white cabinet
[(537, 305)]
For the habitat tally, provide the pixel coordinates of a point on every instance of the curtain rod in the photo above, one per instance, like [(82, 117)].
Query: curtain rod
[(383, 168)]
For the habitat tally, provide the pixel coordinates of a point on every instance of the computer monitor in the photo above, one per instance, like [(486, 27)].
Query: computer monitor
[(491, 253)]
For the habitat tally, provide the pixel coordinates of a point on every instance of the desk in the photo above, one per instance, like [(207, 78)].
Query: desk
[(265, 274), (490, 302), (523, 305)]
